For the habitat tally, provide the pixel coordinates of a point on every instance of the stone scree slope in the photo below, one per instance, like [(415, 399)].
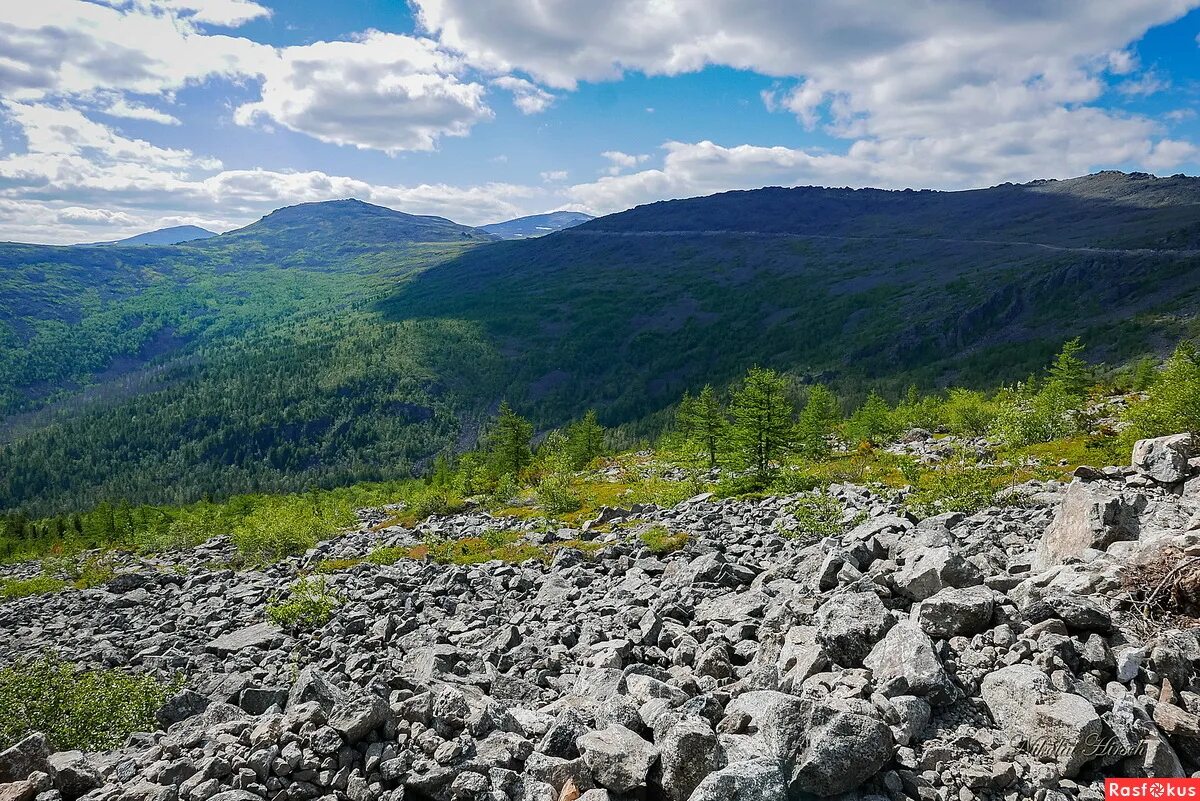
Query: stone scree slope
[(954, 657)]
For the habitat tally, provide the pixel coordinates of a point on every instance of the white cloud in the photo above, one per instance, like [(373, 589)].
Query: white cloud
[(229, 13), (74, 170), (619, 161), (79, 215), (554, 176), (936, 94), (120, 107), (528, 97), (1086, 137), (66, 47), (382, 91)]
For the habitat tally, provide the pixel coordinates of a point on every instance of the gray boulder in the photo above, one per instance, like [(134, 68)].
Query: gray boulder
[(849, 624), (1092, 516), (1058, 726), (357, 715), (904, 662), (750, 780), (618, 759), (29, 755), (689, 752), (933, 570), (843, 750), (1164, 459), (955, 612), (74, 774)]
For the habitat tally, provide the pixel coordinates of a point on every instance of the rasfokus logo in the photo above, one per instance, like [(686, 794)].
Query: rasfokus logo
[(1151, 788)]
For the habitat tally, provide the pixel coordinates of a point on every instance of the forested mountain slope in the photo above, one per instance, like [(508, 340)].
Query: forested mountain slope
[(338, 342)]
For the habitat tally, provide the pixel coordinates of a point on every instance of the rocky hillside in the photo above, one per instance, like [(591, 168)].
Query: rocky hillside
[(1025, 651)]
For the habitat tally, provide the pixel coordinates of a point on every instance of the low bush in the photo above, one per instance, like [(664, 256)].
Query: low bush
[(956, 485), (284, 527), (386, 555), (659, 540), (309, 605), (38, 585), (87, 710), (555, 495), (817, 516)]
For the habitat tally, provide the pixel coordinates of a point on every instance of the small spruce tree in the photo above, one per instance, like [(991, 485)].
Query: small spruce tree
[(761, 429)]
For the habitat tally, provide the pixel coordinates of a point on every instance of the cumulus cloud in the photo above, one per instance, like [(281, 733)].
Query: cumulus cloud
[(927, 94), (129, 109), (228, 13), (65, 47), (382, 91), (1064, 144), (528, 97), (619, 161), (553, 176), (76, 174)]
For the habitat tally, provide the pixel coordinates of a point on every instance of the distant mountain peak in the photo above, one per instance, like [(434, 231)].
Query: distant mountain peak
[(536, 225), (171, 235), (348, 223)]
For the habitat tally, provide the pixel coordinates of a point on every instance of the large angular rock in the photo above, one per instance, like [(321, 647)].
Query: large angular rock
[(953, 612), (618, 759), (849, 624), (1092, 516), (905, 662), (260, 635), (29, 755), (357, 715), (74, 774), (312, 685), (689, 752), (1164, 459), (933, 570), (749, 780), (843, 750), (1058, 727)]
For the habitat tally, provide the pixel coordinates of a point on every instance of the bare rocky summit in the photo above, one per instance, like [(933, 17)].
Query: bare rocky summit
[(1020, 652)]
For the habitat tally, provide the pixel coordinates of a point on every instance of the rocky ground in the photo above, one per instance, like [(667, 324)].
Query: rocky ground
[(1022, 652)]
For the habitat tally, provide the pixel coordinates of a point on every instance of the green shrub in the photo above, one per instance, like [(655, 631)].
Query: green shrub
[(956, 485), (659, 540), (284, 527), (556, 496), (1173, 399), (88, 710), (95, 571), (967, 413), (38, 585), (310, 605), (818, 516)]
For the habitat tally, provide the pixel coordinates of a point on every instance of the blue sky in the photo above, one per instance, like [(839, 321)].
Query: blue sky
[(122, 115)]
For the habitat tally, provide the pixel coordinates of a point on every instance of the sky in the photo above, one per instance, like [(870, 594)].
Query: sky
[(121, 116)]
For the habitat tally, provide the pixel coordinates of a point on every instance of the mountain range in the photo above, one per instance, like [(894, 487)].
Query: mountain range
[(536, 225), (340, 341)]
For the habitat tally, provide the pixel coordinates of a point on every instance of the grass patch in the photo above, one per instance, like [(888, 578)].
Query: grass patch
[(309, 605), (87, 710), (334, 565), (659, 540), (23, 588)]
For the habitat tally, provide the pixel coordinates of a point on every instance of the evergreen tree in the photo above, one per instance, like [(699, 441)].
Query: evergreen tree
[(873, 422), (817, 420), (507, 443), (761, 428), (584, 440), (1069, 372), (1173, 403), (701, 420)]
